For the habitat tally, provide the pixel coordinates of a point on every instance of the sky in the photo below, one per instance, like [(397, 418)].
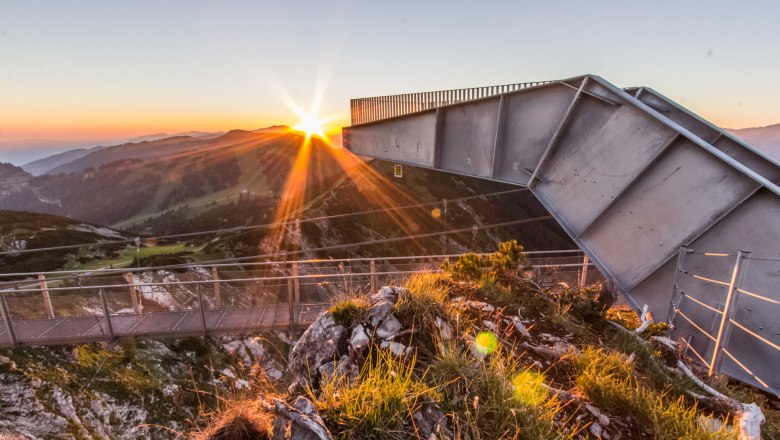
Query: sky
[(87, 72)]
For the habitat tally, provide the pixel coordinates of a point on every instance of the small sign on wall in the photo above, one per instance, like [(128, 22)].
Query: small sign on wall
[(398, 171)]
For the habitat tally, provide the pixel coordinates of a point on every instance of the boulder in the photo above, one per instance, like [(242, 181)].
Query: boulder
[(324, 341), (389, 327)]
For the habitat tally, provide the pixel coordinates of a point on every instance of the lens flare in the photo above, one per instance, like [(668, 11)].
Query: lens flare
[(529, 388), (486, 343)]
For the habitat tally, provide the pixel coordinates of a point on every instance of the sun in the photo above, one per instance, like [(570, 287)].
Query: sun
[(311, 125)]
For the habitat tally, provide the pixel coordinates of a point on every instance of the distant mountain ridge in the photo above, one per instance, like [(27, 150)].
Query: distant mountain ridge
[(42, 166), (767, 138), (126, 183)]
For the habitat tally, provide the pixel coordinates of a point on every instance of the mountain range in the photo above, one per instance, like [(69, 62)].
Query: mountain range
[(766, 138)]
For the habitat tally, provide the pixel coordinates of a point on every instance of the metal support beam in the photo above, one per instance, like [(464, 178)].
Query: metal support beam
[(558, 132), (7, 318), (592, 95), (106, 315)]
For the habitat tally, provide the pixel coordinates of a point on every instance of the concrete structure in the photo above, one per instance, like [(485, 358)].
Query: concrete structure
[(631, 176)]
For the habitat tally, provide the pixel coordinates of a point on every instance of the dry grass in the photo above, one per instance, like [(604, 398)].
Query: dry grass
[(240, 420), (609, 381), (495, 398), (380, 404)]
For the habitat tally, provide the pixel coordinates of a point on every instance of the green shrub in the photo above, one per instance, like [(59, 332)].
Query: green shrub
[(349, 311), (472, 267)]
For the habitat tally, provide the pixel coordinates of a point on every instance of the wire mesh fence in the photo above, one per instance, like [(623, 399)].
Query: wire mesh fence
[(725, 307), (212, 299)]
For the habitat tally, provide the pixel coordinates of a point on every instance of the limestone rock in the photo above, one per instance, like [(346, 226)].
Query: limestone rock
[(396, 348), (379, 312), (360, 338), (520, 327), (389, 327), (299, 421), (324, 341)]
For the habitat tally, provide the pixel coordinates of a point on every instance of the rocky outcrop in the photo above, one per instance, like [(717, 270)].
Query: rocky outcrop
[(327, 349)]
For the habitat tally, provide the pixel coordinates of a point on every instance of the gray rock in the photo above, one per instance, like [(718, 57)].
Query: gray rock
[(389, 327), (324, 341), (379, 311), (360, 338), (386, 293), (344, 368), (520, 327), (299, 421), (396, 348)]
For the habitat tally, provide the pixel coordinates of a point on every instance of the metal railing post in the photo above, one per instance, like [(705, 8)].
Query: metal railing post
[(296, 282), (45, 293), (372, 265), (290, 302), (106, 315), (727, 311), (7, 318), (584, 274), (133, 293), (217, 291), (202, 310)]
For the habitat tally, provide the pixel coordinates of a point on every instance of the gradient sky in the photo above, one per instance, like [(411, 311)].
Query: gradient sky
[(95, 70)]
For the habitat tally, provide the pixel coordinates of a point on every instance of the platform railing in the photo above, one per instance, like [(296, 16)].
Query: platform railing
[(63, 307), (716, 304), (365, 110)]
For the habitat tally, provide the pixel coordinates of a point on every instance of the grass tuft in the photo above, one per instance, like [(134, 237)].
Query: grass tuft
[(495, 398), (349, 311), (380, 404), (608, 380)]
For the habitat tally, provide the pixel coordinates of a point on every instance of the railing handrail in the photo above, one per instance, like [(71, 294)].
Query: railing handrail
[(253, 279), (389, 106), (83, 272)]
